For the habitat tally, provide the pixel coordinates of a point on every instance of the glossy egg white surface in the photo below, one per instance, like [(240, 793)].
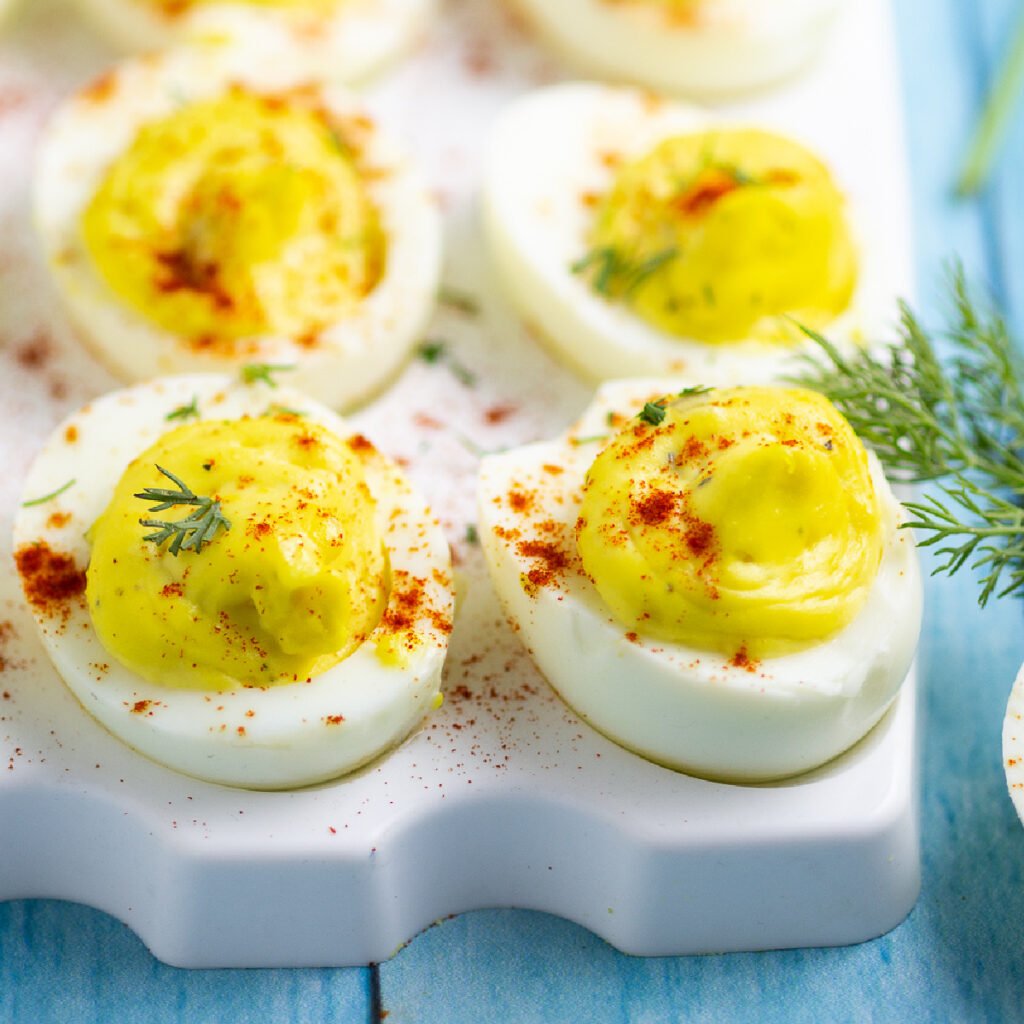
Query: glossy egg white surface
[(555, 149), (276, 737), (1013, 744), (688, 709), (347, 361), (346, 42), (711, 48)]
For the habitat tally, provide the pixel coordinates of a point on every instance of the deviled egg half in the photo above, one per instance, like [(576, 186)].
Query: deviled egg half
[(1013, 744), (211, 207), (341, 40), (233, 582), (698, 48), (714, 578), (639, 236)]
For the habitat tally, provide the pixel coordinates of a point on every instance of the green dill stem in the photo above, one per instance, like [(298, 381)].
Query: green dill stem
[(958, 421), (437, 351), (253, 372), (48, 497), (192, 532), (991, 128), (653, 412), (184, 412), (432, 351), (461, 301)]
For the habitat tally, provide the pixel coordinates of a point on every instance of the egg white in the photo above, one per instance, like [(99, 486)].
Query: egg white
[(290, 734), (547, 152), (347, 44), (684, 708), (353, 357), (1013, 744), (732, 45)]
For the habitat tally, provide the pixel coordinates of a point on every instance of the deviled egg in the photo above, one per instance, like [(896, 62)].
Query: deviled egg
[(1013, 744), (639, 236), (211, 207), (702, 48), (233, 582), (341, 40), (712, 577)]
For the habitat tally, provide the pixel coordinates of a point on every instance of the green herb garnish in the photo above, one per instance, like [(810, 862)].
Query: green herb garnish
[(959, 422), (48, 497), (435, 351), (995, 116), (432, 351), (184, 412), (613, 274), (283, 410), (253, 372), (458, 300), (190, 533), (653, 412)]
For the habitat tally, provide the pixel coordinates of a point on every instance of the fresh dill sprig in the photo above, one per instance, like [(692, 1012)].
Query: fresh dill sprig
[(654, 412), (436, 351), (274, 409), (48, 497), (253, 372), (460, 301), (613, 274), (957, 420), (192, 532), (184, 412), (996, 115)]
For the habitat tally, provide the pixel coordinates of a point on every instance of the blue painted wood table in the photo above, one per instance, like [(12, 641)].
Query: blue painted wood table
[(957, 957)]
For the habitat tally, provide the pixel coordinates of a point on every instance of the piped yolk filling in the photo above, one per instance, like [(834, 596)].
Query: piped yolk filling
[(746, 518), (713, 235), (174, 7), (683, 12), (295, 584), (234, 217)]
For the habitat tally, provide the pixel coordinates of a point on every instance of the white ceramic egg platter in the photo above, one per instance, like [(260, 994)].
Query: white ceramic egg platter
[(502, 797)]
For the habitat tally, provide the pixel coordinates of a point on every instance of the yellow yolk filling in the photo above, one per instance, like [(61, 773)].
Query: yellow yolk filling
[(713, 235), (178, 6), (746, 519), (298, 581), (684, 10), (234, 217)]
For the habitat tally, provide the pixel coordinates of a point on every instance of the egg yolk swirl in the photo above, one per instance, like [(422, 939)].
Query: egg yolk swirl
[(176, 6), (235, 217), (712, 235), (173, 7), (681, 11), (295, 584), (746, 519)]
